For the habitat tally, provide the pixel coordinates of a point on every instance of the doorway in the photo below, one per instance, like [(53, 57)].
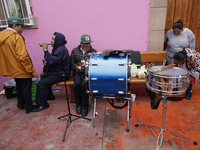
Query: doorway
[(189, 12)]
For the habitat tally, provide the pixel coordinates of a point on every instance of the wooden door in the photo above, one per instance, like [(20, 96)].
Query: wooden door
[(195, 22), (187, 10)]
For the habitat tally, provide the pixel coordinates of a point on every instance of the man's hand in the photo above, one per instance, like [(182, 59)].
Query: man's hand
[(82, 64), (41, 75), (78, 68), (44, 46), (83, 67), (35, 74)]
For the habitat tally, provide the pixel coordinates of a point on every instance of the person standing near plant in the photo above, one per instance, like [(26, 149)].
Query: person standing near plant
[(57, 63), (16, 63)]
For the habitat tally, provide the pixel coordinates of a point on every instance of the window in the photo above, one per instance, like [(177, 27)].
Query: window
[(20, 8)]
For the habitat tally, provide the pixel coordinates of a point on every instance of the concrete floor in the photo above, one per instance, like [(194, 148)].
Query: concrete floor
[(43, 131)]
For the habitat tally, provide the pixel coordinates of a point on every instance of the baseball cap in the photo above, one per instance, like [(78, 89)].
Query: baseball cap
[(85, 38), (15, 20)]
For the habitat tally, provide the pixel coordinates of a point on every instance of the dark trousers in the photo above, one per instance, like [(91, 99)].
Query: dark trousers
[(23, 88), (188, 93), (81, 97), (44, 88)]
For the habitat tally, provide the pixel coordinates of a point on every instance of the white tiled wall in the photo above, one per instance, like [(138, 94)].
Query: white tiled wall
[(157, 18)]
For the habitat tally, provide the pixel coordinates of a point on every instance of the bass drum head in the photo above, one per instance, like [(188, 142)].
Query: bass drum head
[(107, 75)]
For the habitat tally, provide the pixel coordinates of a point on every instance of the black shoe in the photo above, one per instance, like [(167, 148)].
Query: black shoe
[(31, 109), (84, 111), (51, 98), (78, 109), (188, 95), (37, 108), (20, 106), (28, 111)]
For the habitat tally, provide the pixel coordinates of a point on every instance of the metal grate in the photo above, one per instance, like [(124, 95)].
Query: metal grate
[(19, 8)]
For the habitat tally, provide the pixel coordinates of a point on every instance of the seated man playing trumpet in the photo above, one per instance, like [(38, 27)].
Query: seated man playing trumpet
[(57, 63)]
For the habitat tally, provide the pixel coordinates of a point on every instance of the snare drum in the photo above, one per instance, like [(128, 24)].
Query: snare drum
[(108, 75), (172, 81)]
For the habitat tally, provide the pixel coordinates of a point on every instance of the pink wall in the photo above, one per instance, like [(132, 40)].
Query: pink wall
[(113, 24)]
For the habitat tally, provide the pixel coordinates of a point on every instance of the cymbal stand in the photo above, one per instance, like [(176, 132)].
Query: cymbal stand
[(162, 129)]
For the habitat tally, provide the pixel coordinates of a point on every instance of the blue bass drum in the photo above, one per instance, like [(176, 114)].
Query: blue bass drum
[(108, 75)]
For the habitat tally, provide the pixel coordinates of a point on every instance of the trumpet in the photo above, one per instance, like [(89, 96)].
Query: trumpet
[(41, 44)]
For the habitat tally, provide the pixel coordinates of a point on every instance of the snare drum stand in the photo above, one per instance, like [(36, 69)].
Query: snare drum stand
[(160, 136)]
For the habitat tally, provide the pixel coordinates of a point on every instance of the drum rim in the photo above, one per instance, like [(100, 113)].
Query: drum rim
[(156, 67)]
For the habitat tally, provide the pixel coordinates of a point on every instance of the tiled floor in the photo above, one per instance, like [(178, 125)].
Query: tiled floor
[(42, 130)]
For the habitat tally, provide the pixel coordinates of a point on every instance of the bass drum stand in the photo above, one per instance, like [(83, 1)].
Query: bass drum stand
[(128, 104), (162, 129)]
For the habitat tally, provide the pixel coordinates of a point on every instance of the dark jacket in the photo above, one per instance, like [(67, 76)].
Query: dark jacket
[(54, 63), (77, 56)]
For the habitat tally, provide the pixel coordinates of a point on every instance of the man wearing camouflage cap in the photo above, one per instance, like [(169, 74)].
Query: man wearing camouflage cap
[(16, 63)]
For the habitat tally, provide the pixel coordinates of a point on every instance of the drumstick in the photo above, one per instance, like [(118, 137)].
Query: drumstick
[(164, 67)]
